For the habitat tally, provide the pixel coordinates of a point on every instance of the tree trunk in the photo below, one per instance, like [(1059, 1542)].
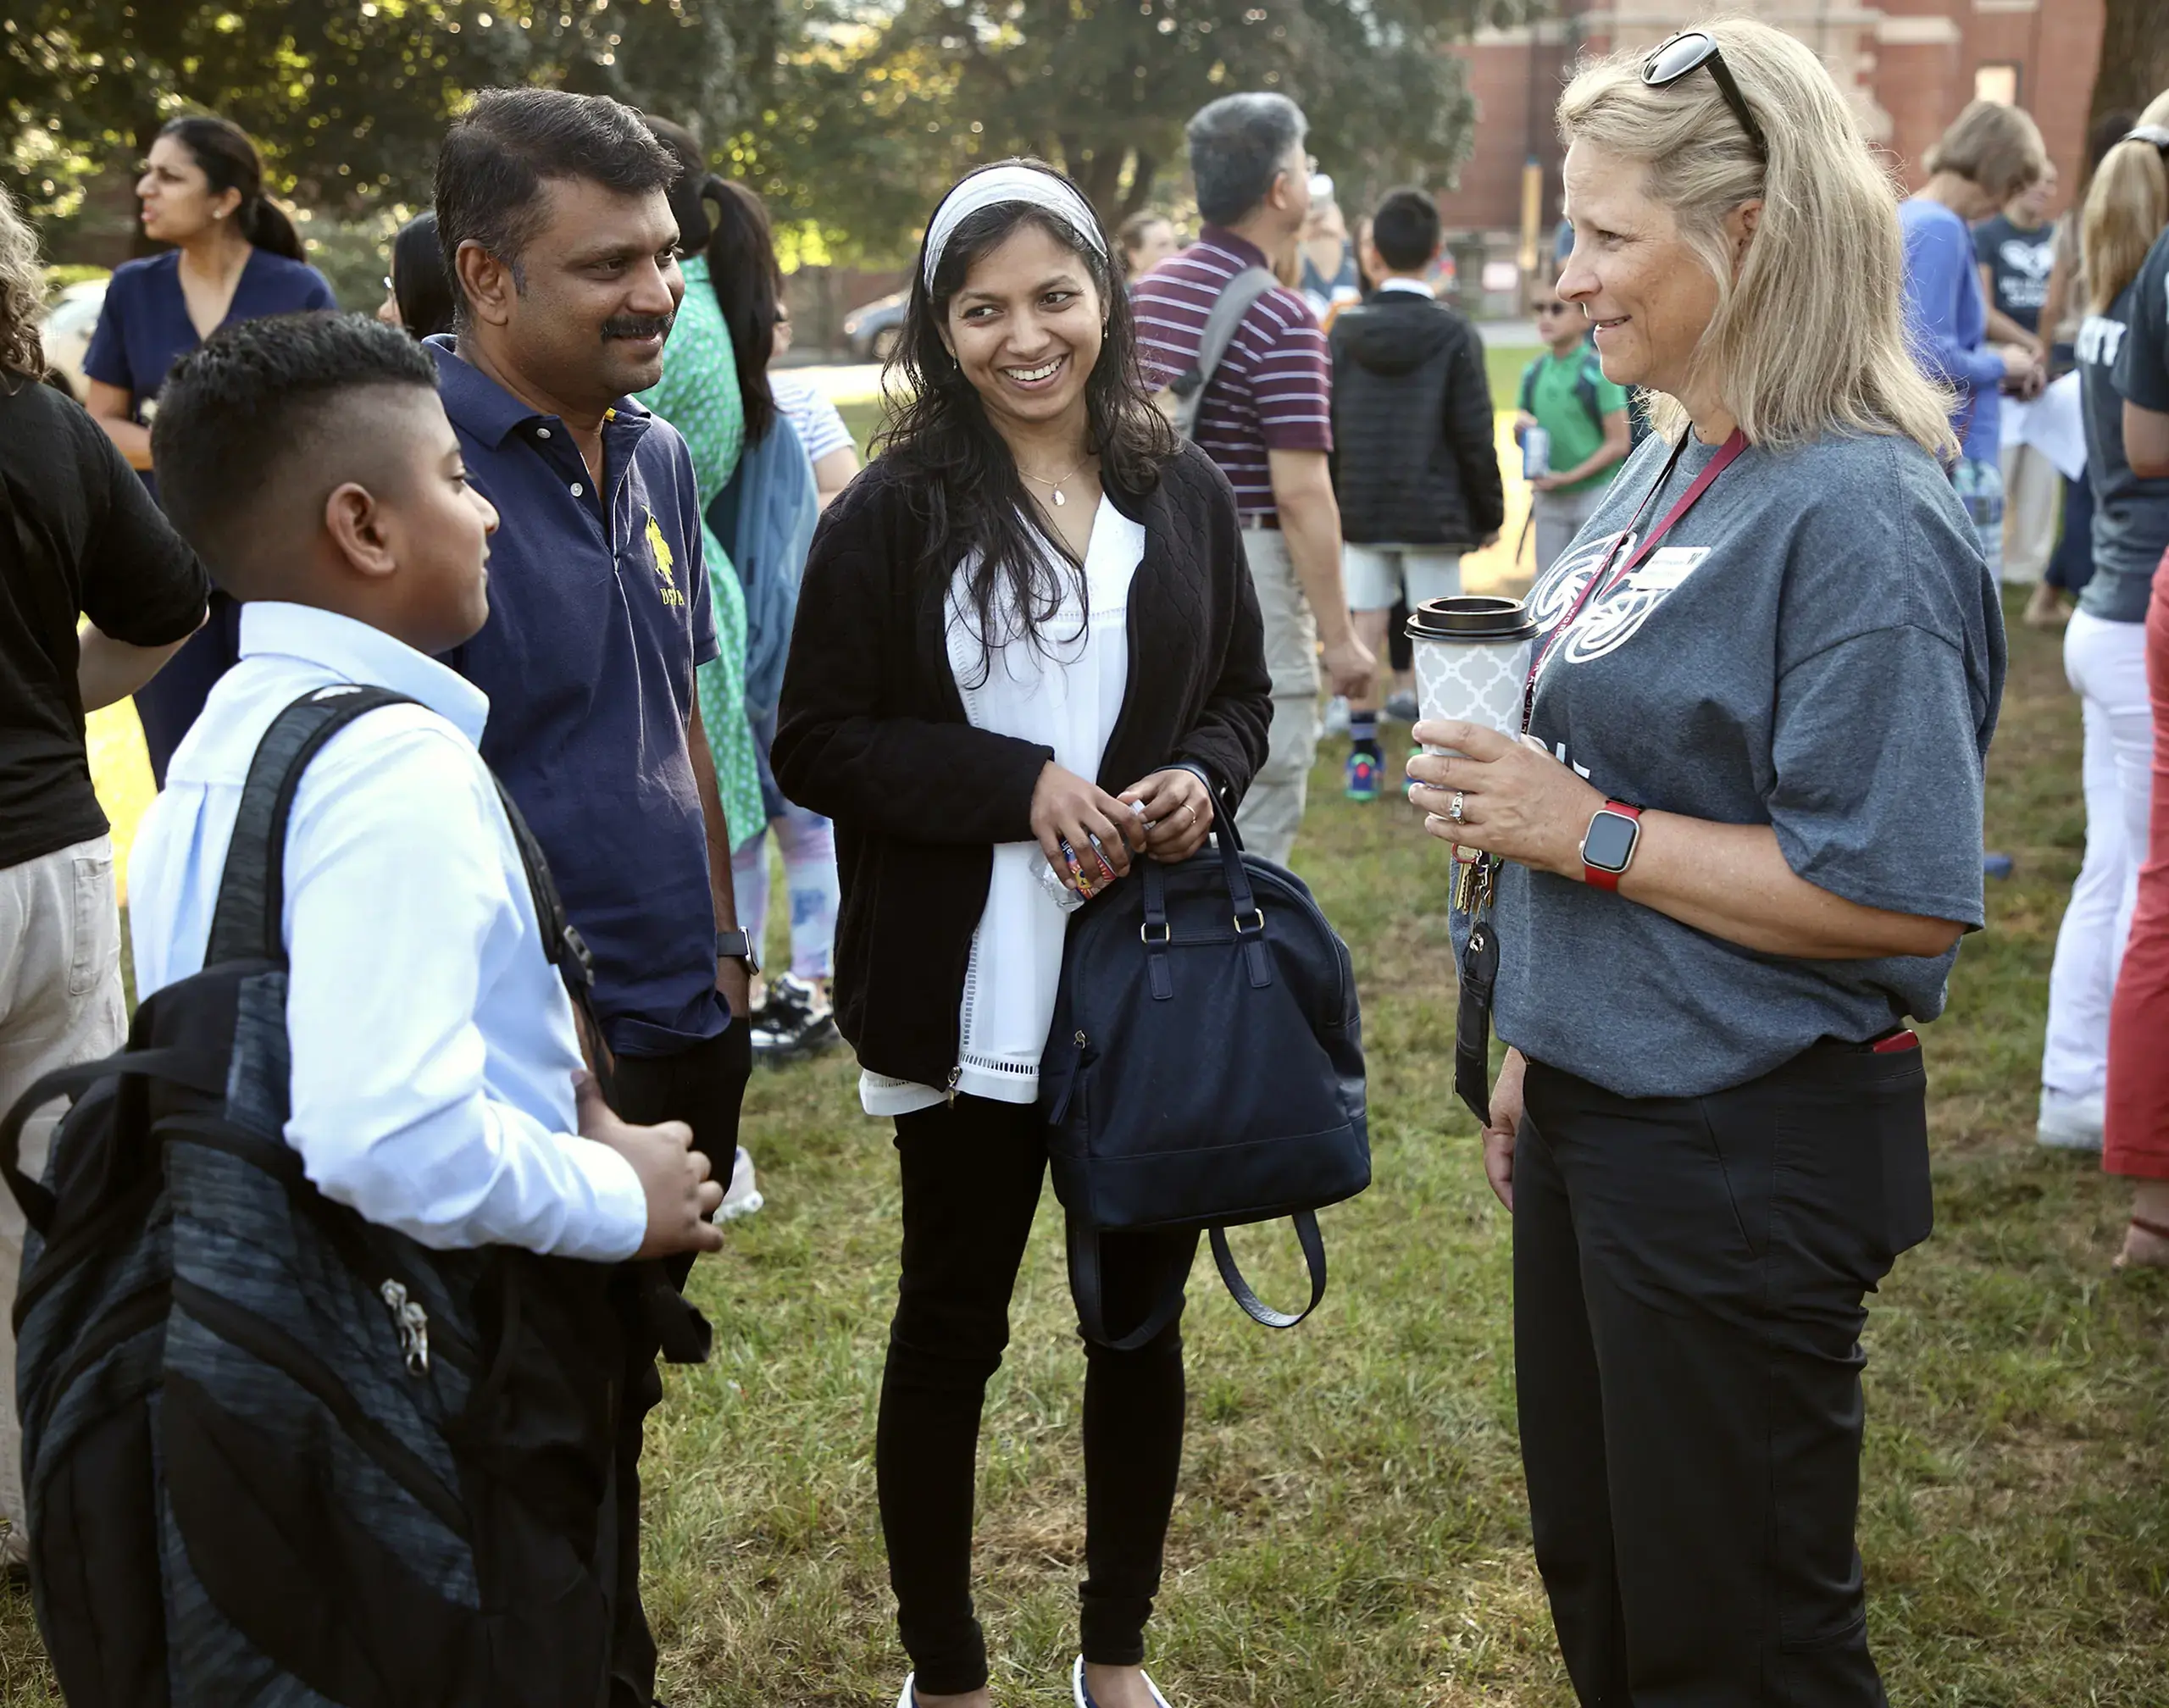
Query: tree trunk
[(2134, 64), (1140, 184)]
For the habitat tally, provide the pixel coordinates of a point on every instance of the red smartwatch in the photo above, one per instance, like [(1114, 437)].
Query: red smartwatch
[(1608, 847)]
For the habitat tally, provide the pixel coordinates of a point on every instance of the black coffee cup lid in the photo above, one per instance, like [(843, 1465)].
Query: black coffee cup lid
[(1471, 617)]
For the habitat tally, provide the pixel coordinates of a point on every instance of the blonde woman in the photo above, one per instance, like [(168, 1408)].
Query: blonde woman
[(2104, 656), (2126, 233), (1741, 849)]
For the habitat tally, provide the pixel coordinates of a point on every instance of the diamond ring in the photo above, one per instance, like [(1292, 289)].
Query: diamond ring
[(1457, 811)]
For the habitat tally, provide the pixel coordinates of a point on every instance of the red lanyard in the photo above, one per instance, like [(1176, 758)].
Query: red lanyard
[(1727, 453)]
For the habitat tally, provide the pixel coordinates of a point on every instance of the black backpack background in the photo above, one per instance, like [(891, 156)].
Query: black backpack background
[(273, 1452)]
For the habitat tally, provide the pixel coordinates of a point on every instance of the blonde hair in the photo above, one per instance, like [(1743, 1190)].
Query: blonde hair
[(2125, 208), (1809, 334), (22, 293), (1998, 148)]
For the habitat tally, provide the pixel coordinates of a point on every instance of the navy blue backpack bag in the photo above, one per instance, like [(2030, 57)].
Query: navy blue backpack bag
[(1204, 1069)]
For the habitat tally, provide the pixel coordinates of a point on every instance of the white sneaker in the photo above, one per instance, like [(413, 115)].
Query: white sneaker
[(2069, 1122), (1335, 722), (741, 1197), (1083, 1698)]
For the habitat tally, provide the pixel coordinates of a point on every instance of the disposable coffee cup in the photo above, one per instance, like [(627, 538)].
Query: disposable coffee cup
[(1472, 660)]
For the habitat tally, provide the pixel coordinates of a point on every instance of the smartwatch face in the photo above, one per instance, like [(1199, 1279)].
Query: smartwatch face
[(1610, 842)]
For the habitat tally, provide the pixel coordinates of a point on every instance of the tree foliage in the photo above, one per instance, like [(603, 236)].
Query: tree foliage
[(347, 97), (850, 115), (878, 105)]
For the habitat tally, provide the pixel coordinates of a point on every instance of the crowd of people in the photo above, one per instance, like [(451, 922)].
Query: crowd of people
[(643, 610)]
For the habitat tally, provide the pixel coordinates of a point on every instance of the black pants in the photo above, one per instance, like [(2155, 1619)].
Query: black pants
[(703, 1087), (972, 1171), (1689, 1284)]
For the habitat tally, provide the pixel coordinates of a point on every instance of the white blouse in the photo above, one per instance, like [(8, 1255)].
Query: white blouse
[(1064, 692)]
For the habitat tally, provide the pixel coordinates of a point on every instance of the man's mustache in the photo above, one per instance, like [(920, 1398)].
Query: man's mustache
[(638, 326)]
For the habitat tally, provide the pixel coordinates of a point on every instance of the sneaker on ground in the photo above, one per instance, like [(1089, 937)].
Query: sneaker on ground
[(742, 1197), (795, 1022), (1082, 1698), (1336, 716), (1401, 708), (2068, 1123), (1364, 765)]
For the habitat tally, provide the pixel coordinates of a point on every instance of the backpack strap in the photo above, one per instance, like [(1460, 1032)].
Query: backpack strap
[(562, 946), (1526, 402), (1592, 370), (1234, 301), (1089, 1291), (248, 921), (176, 1066), (1313, 1243)]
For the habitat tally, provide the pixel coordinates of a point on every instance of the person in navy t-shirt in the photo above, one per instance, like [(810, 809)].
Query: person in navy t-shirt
[(557, 231), (236, 257)]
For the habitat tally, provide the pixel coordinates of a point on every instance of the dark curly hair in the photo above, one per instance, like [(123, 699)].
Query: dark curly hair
[(958, 470)]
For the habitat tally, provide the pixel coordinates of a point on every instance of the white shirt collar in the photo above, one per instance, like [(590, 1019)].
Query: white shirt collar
[(1415, 287), (359, 653)]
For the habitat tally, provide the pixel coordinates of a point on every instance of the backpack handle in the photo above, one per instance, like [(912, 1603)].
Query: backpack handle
[(1248, 917)]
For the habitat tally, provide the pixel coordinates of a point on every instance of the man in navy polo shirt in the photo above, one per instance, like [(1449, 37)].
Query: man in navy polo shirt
[(555, 224)]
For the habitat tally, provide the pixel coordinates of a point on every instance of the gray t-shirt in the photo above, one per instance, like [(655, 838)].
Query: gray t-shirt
[(1817, 645), (2131, 516), (2141, 376)]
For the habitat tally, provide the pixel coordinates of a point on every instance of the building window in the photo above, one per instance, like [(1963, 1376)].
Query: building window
[(1998, 83)]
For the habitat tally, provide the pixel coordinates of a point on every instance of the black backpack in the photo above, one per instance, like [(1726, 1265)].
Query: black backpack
[(273, 1452), (1204, 1069)]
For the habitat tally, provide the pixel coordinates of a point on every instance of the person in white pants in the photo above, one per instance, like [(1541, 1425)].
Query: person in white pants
[(2105, 663), (2104, 650)]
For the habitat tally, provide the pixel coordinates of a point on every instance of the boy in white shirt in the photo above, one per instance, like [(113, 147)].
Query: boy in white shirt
[(435, 1058), (437, 1085)]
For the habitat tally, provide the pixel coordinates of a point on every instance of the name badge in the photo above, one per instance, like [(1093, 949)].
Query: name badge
[(1666, 568)]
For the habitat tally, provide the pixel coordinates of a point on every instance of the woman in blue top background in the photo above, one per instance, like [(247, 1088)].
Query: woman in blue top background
[(236, 257), (1990, 154)]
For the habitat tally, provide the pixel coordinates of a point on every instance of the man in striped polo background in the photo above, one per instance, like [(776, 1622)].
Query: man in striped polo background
[(1266, 420)]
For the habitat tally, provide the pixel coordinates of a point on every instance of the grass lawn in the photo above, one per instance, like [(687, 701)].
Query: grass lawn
[(1351, 1529)]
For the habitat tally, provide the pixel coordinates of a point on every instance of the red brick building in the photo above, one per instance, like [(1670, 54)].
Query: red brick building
[(1911, 64)]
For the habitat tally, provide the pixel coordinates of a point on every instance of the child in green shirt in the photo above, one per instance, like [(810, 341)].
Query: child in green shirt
[(1565, 393)]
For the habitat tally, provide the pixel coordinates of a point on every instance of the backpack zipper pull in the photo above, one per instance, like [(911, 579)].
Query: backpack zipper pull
[(949, 1090), (413, 1322)]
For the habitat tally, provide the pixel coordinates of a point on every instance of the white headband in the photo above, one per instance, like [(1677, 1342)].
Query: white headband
[(996, 186)]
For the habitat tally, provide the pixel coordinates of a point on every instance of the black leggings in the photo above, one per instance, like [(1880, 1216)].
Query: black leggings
[(972, 1171)]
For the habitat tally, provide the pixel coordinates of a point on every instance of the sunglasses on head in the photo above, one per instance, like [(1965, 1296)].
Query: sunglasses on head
[(1689, 52)]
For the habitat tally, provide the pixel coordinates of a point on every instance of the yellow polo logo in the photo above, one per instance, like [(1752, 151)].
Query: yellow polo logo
[(659, 553)]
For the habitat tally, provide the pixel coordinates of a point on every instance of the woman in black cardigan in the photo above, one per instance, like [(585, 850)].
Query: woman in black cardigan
[(1026, 651)]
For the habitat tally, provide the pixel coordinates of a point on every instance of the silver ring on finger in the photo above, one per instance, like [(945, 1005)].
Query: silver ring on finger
[(1459, 808)]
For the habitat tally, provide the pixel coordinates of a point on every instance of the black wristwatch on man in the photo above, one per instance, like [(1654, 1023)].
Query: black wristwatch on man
[(737, 944)]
